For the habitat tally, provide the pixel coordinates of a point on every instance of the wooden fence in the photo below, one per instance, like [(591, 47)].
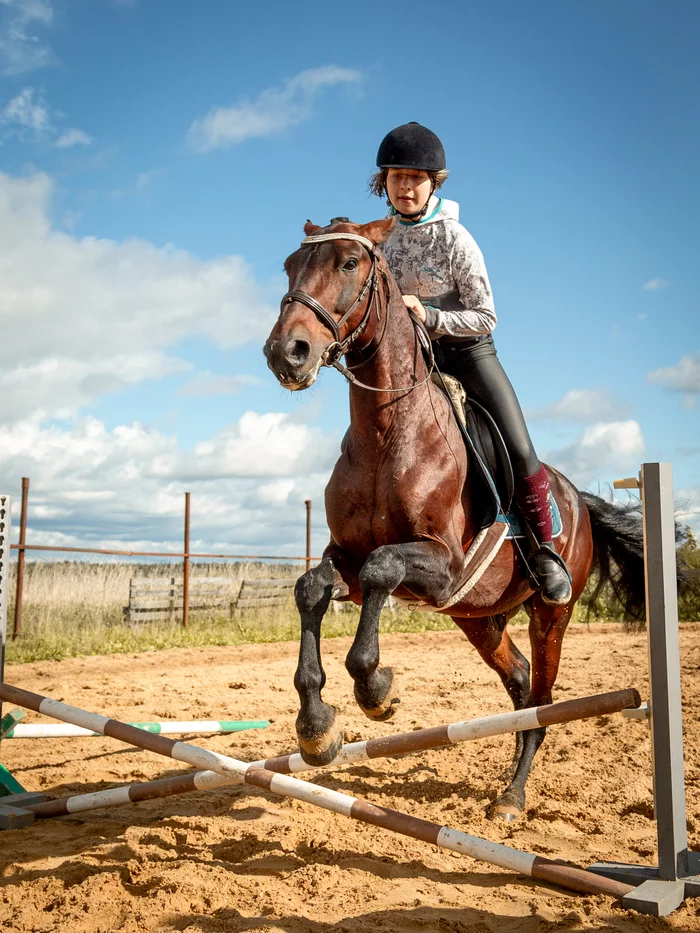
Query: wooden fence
[(155, 598), (181, 590), (258, 594)]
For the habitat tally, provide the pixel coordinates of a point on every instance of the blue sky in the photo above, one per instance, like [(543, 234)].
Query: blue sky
[(159, 160)]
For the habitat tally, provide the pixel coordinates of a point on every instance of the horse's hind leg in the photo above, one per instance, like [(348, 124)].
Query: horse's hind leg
[(422, 567), (547, 627), (492, 641), (320, 738)]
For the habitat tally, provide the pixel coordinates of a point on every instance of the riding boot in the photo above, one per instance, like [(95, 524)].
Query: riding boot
[(532, 498)]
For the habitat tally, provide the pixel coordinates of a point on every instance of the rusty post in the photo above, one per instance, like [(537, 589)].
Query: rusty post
[(186, 566), (20, 558), (307, 503)]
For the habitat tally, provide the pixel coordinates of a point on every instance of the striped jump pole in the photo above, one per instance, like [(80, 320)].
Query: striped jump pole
[(405, 743), (55, 730), (416, 741), (576, 879), (422, 740)]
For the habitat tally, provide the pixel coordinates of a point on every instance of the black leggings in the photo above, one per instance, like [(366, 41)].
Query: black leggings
[(476, 365)]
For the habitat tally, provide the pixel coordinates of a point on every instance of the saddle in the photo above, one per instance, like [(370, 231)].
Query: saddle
[(487, 449), (489, 454)]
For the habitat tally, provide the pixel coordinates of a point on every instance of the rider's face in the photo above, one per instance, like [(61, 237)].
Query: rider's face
[(408, 189)]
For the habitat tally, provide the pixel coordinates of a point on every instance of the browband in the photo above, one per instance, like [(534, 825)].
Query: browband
[(323, 237)]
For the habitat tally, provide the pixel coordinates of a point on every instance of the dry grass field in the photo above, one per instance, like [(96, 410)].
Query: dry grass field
[(76, 609)]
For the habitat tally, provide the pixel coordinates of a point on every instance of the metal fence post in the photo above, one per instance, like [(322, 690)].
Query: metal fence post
[(186, 566), (307, 503), (17, 628)]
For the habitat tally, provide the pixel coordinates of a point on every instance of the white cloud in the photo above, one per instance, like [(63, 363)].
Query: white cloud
[(270, 444), (270, 113), (80, 316), (28, 112), (123, 488), (276, 493), (683, 377), (582, 405), (28, 117), (21, 48), (207, 384), (656, 285), (687, 502), (602, 453), (59, 387), (72, 137)]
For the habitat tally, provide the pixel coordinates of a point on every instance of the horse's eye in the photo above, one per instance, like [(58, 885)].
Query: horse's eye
[(350, 265)]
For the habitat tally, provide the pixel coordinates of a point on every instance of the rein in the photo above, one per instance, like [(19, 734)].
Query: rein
[(331, 355)]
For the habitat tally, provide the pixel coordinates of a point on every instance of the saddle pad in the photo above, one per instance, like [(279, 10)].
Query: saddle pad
[(482, 552), (516, 528)]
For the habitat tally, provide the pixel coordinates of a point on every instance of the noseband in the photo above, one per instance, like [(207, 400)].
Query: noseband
[(335, 350)]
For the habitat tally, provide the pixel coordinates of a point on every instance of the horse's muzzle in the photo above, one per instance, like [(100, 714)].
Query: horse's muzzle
[(290, 361)]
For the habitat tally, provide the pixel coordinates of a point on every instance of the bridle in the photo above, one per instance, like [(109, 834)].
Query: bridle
[(335, 350), (331, 355)]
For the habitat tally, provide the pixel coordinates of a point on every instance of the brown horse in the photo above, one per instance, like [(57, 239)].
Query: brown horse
[(400, 501)]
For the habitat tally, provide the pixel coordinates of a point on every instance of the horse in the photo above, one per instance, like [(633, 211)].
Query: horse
[(401, 507)]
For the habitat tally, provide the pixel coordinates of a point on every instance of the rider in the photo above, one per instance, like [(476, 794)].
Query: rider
[(441, 272)]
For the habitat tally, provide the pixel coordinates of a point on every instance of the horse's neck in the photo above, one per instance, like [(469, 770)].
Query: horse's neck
[(398, 363)]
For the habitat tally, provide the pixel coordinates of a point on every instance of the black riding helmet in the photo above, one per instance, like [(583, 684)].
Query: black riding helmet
[(411, 146)]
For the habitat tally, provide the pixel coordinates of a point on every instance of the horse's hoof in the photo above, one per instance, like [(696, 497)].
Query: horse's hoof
[(384, 708), (321, 749), (505, 808)]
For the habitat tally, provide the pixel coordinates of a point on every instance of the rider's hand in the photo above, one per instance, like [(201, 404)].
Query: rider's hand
[(414, 304)]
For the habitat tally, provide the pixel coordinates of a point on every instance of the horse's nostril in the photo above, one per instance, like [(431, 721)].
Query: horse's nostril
[(298, 352)]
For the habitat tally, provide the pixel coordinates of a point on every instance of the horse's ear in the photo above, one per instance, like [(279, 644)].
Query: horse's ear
[(310, 229), (378, 231)]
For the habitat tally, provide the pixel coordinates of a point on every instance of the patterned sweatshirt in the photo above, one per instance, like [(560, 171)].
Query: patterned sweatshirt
[(439, 261)]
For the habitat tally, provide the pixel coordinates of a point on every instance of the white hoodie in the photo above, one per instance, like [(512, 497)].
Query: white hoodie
[(438, 261)]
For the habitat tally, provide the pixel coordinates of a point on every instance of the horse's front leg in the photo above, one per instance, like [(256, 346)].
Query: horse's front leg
[(427, 569), (320, 738)]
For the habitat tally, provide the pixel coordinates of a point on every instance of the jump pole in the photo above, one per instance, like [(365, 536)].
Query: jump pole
[(55, 730), (541, 869), (661, 889), (404, 743)]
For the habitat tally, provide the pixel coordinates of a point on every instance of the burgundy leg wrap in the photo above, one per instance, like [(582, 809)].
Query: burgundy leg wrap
[(532, 498)]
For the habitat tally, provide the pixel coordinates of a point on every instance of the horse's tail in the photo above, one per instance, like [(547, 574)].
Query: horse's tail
[(618, 555)]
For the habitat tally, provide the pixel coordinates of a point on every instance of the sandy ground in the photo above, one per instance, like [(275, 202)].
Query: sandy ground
[(243, 860)]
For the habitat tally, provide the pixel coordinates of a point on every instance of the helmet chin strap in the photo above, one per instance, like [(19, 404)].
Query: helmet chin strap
[(417, 215)]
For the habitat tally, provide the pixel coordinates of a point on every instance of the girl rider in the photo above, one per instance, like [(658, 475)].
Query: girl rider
[(441, 273)]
